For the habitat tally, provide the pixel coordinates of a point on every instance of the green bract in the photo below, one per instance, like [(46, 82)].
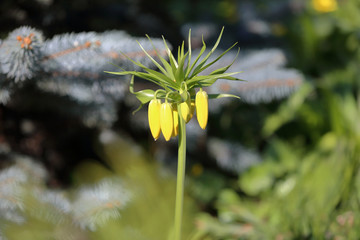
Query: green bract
[(178, 77)]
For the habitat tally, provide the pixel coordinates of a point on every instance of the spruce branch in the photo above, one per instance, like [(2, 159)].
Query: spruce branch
[(31, 168), (266, 77), (20, 54), (232, 157), (5, 89), (11, 181), (51, 206), (24, 197), (95, 205), (11, 192), (68, 69)]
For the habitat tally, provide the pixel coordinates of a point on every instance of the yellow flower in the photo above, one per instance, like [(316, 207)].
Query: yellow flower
[(202, 108), (185, 110), (154, 117), (324, 5), (166, 120), (176, 121)]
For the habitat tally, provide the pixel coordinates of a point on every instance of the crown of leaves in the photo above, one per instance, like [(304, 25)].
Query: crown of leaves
[(178, 76)]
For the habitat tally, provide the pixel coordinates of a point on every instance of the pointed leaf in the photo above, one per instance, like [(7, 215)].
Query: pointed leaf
[(171, 56), (210, 79), (144, 96), (141, 105), (161, 77), (223, 69), (201, 68), (196, 60), (203, 61), (179, 74), (152, 59), (189, 56), (169, 73), (222, 95)]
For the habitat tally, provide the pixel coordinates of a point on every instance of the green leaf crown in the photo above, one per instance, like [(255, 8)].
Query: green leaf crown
[(178, 77)]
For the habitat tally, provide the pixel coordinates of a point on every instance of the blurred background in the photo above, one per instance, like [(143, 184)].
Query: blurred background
[(281, 163)]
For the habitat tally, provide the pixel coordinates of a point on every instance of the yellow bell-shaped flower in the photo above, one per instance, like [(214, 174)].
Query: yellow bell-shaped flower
[(202, 108), (154, 117), (176, 121), (166, 120), (186, 110)]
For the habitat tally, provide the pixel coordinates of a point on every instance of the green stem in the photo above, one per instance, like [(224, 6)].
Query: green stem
[(180, 176)]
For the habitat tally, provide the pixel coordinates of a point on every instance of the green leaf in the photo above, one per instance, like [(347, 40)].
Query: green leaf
[(179, 74), (257, 180), (208, 80), (199, 69), (173, 62), (222, 95), (288, 110), (140, 107), (146, 76), (161, 77), (203, 61), (224, 69), (196, 60), (189, 55), (144, 96), (156, 75), (168, 68), (152, 59), (119, 73), (180, 52), (169, 73)]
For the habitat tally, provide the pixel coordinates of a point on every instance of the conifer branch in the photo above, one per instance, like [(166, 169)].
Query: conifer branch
[(266, 77), (232, 157), (71, 66), (24, 197)]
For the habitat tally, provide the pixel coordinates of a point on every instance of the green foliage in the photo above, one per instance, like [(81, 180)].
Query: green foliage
[(307, 186), (302, 189), (297, 195), (320, 42)]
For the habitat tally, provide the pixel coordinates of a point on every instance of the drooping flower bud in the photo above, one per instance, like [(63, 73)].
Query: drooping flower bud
[(176, 121), (201, 102), (154, 117), (186, 110), (166, 120)]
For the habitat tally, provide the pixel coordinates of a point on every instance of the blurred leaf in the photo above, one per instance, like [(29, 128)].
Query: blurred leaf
[(287, 110), (205, 187), (256, 180)]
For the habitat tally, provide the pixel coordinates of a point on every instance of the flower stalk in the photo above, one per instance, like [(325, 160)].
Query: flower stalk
[(179, 202)]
